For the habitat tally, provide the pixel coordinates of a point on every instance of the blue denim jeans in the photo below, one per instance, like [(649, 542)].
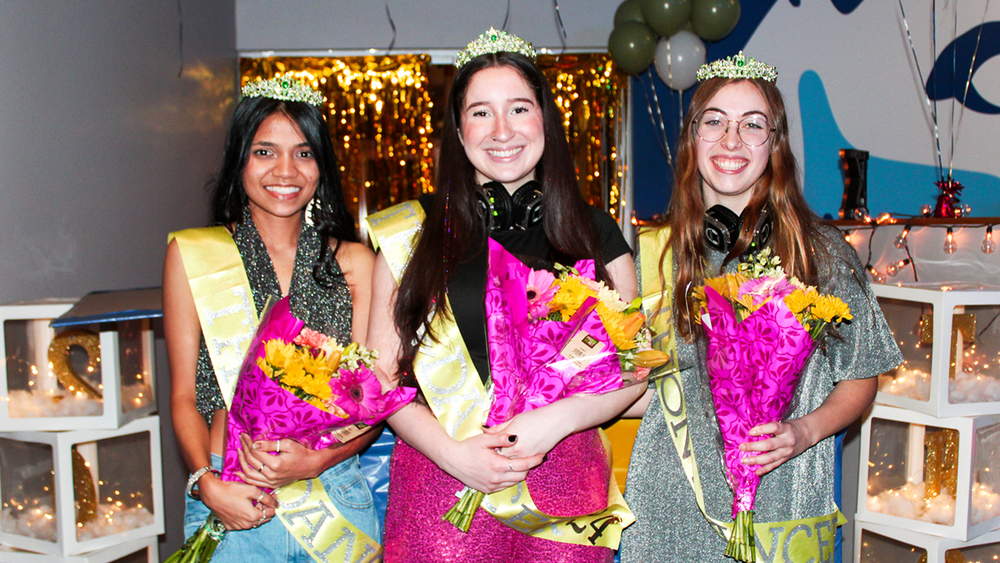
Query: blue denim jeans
[(348, 491)]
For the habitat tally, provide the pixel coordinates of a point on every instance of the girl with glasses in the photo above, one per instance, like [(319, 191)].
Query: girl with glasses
[(736, 190)]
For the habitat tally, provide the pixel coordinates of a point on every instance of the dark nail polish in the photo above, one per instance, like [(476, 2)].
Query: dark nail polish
[(512, 438)]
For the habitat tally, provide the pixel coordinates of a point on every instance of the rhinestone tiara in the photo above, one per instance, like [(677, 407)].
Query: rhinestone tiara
[(494, 41), (738, 66), (288, 86)]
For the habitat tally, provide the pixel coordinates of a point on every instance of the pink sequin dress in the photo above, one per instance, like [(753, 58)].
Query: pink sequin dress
[(572, 480)]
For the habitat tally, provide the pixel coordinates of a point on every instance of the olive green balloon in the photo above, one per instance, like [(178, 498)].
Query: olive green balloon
[(632, 46), (666, 17), (714, 19), (629, 11)]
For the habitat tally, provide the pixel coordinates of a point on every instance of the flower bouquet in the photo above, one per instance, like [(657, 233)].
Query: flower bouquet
[(300, 384), (761, 326), (551, 337)]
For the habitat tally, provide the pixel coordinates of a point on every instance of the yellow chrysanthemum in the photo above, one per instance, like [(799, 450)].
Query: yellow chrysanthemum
[(613, 321), (747, 301), (720, 285), (830, 308), (317, 387), (799, 300), (315, 365), (277, 352), (570, 296), (295, 375), (728, 285), (318, 403), (698, 297), (265, 367)]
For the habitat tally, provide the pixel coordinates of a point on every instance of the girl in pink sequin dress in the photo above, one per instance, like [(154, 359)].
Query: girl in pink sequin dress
[(505, 172)]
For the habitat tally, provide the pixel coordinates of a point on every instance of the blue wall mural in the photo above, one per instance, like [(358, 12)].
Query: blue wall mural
[(897, 187)]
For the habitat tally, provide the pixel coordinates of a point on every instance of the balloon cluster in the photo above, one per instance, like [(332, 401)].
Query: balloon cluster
[(671, 32)]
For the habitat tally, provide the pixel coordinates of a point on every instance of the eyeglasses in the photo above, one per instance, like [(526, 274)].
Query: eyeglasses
[(753, 130)]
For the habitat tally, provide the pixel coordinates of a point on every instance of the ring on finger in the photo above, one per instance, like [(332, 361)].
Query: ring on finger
[(261, 470), (277, 449), (260, 498), (510, 464)]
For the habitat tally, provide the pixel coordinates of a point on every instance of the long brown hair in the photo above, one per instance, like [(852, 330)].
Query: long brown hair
[(453, 231), (778, 189)]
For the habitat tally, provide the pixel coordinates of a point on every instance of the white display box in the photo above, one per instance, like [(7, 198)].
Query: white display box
[(67, 493), (140, 551), (950, 339), (874, 543), (938, 476), (85, 366)]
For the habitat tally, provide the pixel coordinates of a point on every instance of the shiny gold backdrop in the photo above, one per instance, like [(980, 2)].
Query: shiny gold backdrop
[(385, 114)]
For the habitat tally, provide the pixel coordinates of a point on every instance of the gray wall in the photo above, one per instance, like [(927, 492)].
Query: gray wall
[(442, 24), (106, 149)]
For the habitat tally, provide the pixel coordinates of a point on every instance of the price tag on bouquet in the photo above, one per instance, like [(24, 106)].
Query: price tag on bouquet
[(582, 348)]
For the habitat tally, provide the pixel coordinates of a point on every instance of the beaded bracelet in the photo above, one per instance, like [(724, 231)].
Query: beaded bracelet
[(197, 475)]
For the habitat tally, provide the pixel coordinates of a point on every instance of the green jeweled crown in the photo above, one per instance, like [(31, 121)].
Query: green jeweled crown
[(739, 66), (494, 41), (287, 87)]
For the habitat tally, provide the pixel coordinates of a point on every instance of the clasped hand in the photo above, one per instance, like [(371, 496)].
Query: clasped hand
[(478, 462), (272, 464), (788, 439), (239, 506)]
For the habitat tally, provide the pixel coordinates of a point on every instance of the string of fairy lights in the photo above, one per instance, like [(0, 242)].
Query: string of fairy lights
[(950, 229)]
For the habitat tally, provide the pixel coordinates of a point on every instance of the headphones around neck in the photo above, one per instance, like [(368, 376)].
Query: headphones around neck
[(722, 229), (504, 211)]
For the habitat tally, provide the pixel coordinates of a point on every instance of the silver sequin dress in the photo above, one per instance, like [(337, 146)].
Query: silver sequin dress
[(669, 526)]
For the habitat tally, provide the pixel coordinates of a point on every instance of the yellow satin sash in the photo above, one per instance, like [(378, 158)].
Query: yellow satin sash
[(308, 514), (222, 297), (792, 541), (228, 319), (461, 402)]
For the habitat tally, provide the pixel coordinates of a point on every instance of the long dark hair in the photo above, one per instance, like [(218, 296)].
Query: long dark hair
[(794, 233), (454, 233), (330, 216)]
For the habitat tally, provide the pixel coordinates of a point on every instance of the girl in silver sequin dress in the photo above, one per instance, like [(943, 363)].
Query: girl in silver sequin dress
[(735, 165)]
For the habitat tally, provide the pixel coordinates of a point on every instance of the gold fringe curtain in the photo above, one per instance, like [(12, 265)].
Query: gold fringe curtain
[(382, 117), (592, 94)]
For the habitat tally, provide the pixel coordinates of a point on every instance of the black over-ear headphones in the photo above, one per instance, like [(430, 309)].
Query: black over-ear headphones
[(722, 229), (502, 210)]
